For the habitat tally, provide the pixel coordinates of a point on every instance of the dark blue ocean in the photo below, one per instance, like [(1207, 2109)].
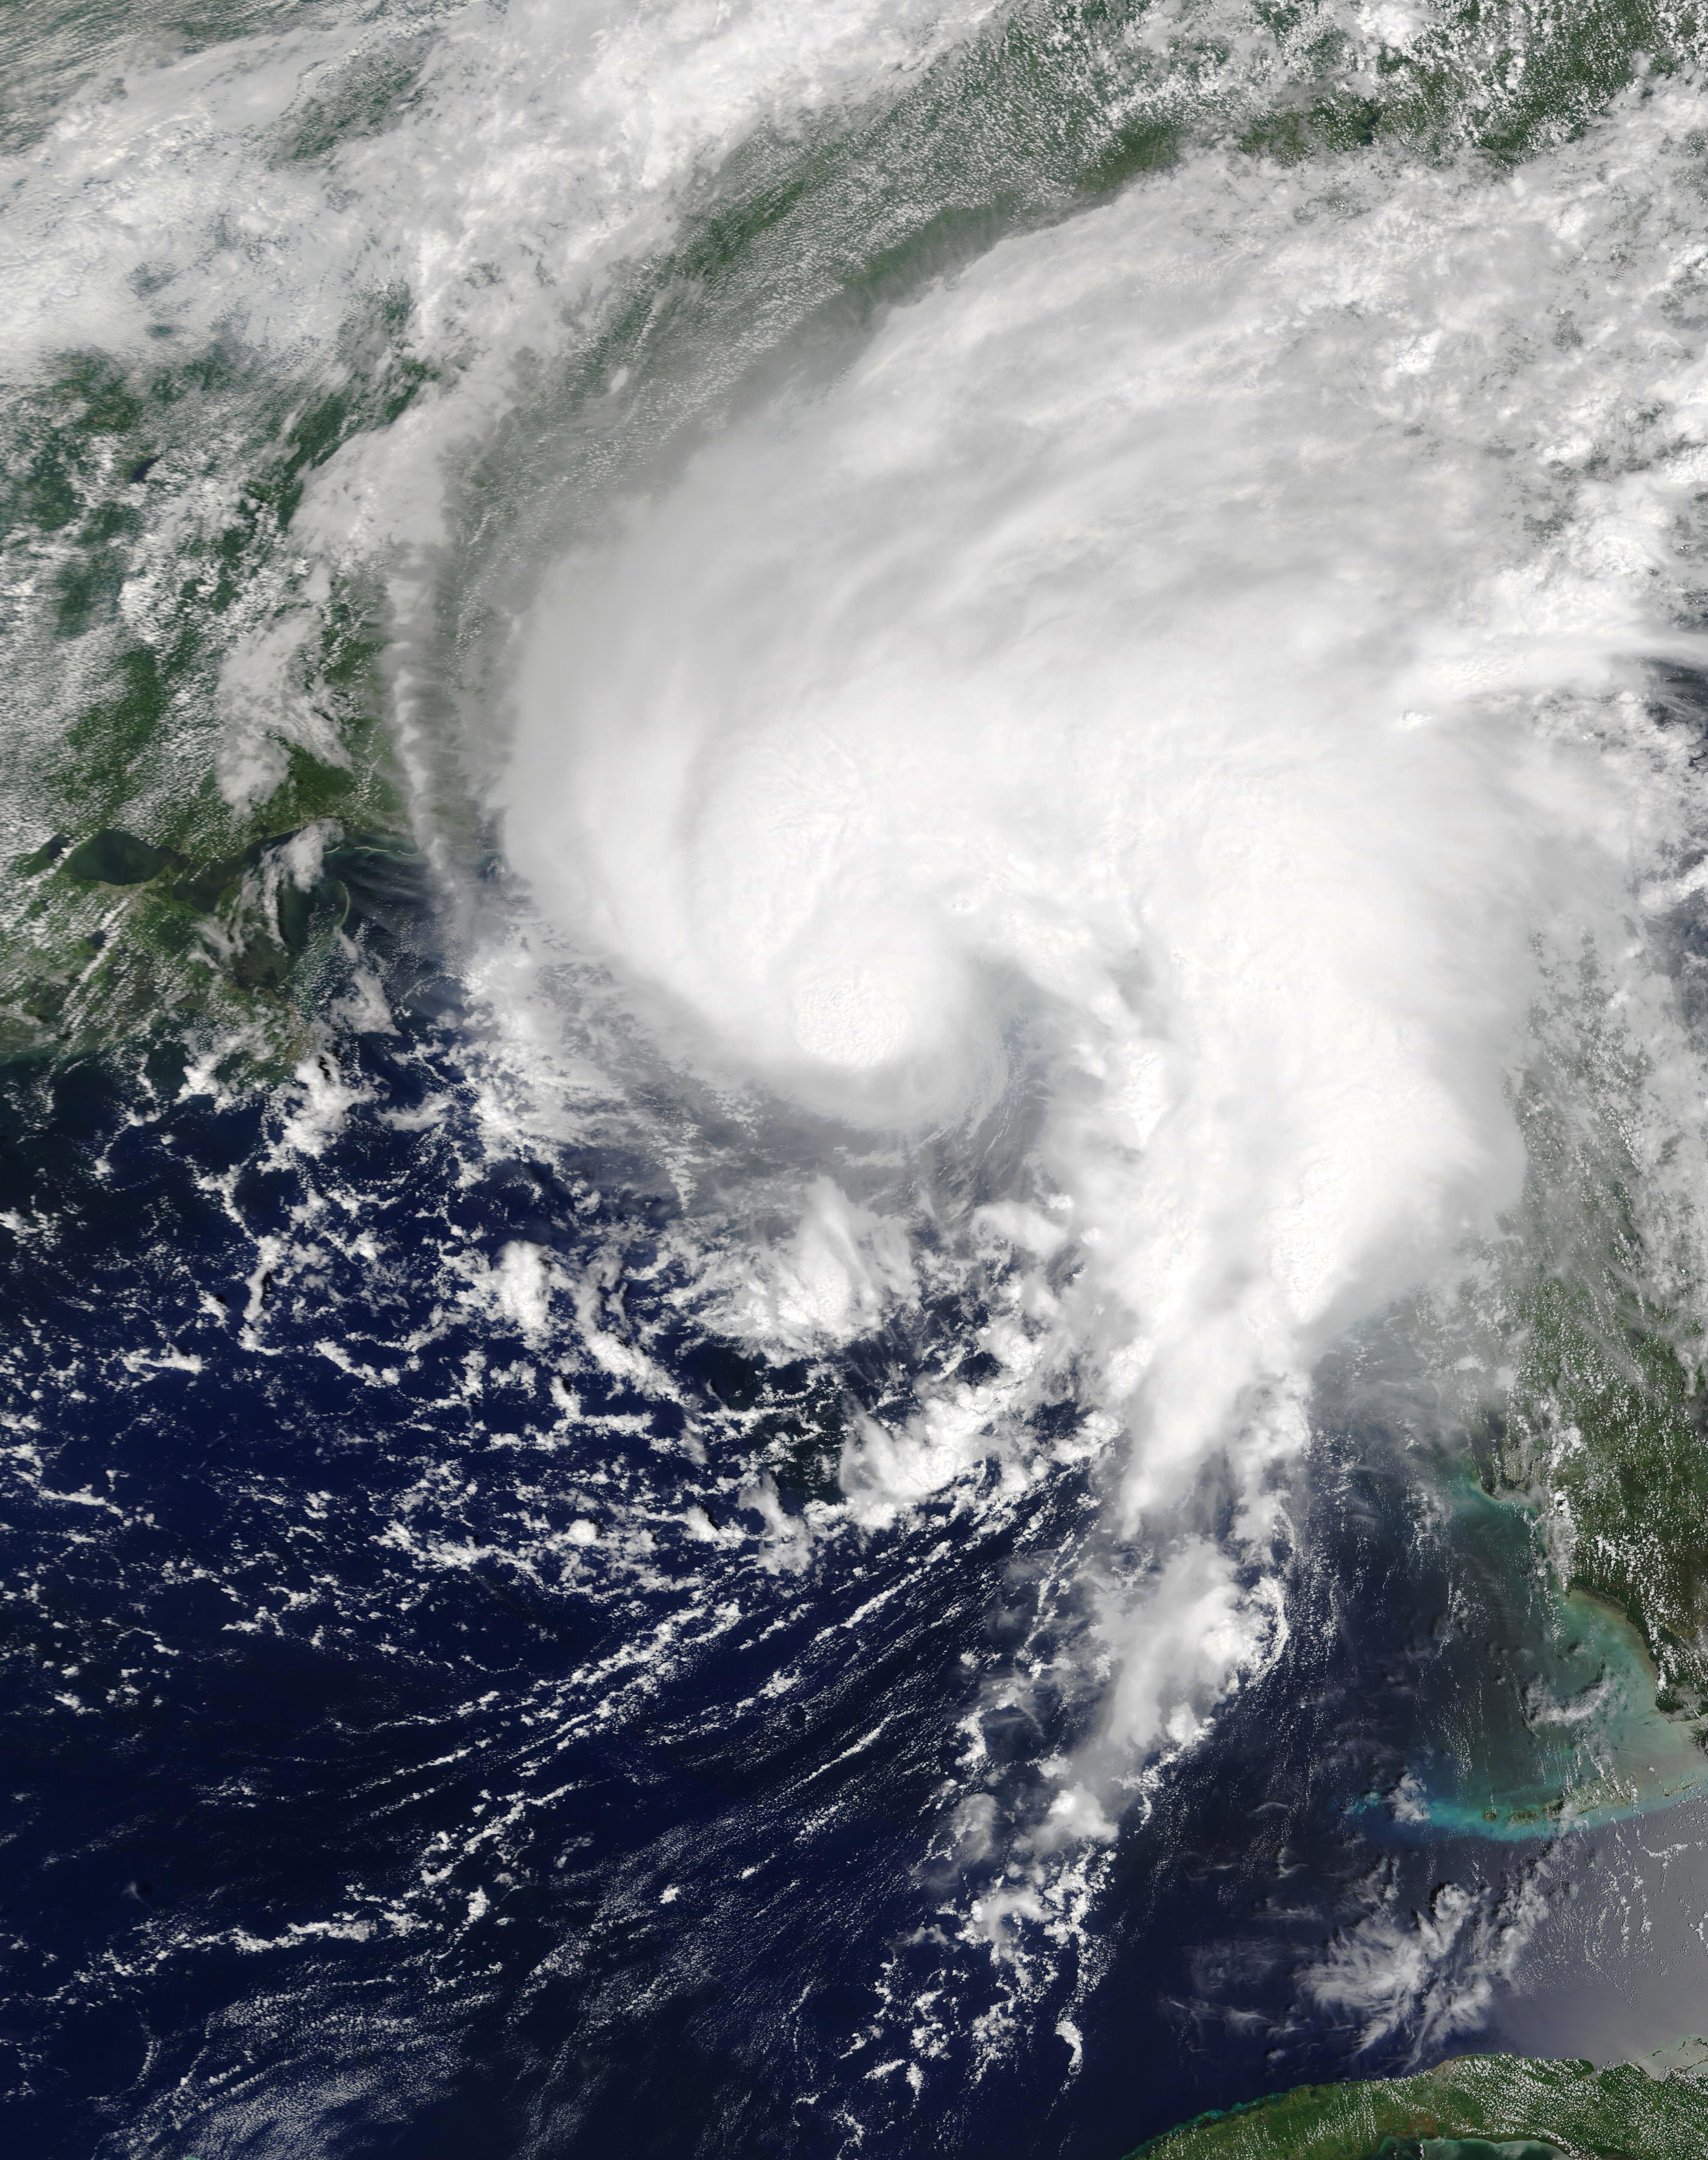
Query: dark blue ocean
[(840, 845), (335, 1823)]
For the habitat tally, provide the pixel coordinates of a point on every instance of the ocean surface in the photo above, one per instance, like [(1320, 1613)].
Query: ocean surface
[(854, 867)]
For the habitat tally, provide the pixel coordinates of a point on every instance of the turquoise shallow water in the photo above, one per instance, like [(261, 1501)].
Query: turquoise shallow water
[(851, 865), (1556, 1727)]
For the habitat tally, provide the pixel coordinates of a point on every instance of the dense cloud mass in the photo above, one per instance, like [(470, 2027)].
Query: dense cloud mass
[(1190, 664), (854, 1110)]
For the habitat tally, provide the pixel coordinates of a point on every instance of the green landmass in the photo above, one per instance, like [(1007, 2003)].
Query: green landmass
[(147, 498), (146, 512), (1602, 1430), (1478, 2107)]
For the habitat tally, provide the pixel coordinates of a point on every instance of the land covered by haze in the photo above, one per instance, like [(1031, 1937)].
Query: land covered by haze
[(996, 716)]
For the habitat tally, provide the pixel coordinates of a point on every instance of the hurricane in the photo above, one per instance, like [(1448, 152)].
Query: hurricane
[(854, 1079)]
